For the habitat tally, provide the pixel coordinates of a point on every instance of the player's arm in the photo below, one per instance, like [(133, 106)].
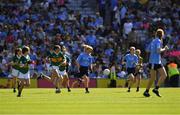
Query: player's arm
[(78, 66), (64, 61), (123, 60), (22, 64), (159, 49), (163, 49), (13, 62), (136, 61), (77, 62), (91, 66)]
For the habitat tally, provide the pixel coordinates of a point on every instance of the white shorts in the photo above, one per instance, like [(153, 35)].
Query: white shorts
[(62, 72), (24, 76), (49, 68), (15, 73), (58, 71), (56, 68)]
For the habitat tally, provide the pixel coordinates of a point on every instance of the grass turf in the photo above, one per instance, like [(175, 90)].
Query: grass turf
[(98, 101)]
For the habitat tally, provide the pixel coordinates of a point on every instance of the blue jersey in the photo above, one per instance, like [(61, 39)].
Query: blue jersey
[(131, 60), (155, 56), (85, 59)]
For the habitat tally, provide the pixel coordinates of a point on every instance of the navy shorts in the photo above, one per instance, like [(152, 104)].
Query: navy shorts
[(131, 71), (83, 71), (155, 66)]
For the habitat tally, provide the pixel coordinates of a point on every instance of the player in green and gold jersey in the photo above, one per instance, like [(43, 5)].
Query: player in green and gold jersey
[(139, 69), (57, 60), (64, 68), (24, 73), (15, 67)]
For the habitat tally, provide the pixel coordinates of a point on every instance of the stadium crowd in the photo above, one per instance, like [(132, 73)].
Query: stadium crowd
[(40, 25)]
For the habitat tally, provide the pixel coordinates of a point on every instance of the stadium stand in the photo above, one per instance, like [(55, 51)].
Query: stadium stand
[(104, 24)]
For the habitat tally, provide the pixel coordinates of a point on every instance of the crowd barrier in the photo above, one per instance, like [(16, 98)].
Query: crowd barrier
[(94, 83)]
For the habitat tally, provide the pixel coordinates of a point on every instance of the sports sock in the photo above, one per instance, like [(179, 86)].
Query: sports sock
[(68, 87), (157, 87), (86, 89), (147, 90), (137, 88)]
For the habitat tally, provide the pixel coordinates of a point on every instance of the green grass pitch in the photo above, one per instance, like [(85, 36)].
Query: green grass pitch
[(106, 101)]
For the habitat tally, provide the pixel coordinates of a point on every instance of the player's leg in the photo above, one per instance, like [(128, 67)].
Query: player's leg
[(27, 82), (14, 79), (52, 78), (78, 82), (46, 77), (74, 84), (14, 75), (86, 83), (150, 82), (56, 78), (24, 81), (66, 81), (54, 81), (20, 86), (138, 79), (163, 75), (58, 83), (131, 81)]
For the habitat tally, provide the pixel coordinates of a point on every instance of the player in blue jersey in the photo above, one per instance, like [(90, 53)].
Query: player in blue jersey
[(84, 63), (131, 60), (155, 48)]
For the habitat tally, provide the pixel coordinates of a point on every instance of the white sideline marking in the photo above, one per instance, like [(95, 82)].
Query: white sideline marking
[(87, 114)]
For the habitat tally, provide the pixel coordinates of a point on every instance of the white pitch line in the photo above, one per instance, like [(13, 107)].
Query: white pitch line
[(87, 114)]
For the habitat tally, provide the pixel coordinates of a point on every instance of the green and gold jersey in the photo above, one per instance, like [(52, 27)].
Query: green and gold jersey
[(140, 60), (63, 67), (68, 62), (24, 62), (57, 59), (15, 60), (140, 63)]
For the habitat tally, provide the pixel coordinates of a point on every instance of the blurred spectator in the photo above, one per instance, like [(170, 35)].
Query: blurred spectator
[(173, 74), (127, 28)]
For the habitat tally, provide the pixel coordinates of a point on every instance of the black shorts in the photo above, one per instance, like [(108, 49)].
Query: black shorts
[(155, 66), (138, 73), (83, 71), (131, 71)]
